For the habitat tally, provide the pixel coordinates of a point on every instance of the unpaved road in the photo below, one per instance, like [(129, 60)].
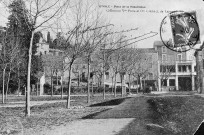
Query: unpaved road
[(87, 127)]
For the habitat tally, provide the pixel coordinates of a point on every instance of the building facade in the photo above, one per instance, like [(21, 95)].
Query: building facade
[(176, 70), (160, 66)]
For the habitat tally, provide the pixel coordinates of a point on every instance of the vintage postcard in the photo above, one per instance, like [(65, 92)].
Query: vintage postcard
[(101, 67)]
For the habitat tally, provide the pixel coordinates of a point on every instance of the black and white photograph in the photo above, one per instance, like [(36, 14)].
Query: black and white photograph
[(101, 67)]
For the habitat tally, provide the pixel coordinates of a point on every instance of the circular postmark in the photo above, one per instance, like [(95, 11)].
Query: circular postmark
[(179, 31)]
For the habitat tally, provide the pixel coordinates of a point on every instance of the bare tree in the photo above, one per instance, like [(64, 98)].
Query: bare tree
[(39, 13), (131, 62), (117, 59), (10, 51), (82, 39), (141, 68)]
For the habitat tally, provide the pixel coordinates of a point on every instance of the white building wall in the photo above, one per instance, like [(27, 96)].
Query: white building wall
[(42, 48), (42, 82)]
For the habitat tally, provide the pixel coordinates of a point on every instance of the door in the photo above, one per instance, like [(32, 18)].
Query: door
[(185, 83)]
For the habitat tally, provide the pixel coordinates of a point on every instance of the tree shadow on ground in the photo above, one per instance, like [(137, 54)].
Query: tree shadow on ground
[(92, 116), (112, 102)]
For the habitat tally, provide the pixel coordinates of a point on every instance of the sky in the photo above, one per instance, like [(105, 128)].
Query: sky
[(124, 15), (147, 21)]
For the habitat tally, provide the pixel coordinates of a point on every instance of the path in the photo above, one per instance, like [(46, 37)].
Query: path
[(32, 103), (88, 127)]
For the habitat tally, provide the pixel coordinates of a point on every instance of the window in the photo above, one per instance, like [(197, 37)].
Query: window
[(167, 68), (184, 68), (107, 75), (164, 82), (163, 49), (162, 68), (180, 68), (164, 58), (188, 68), (171, 82), (179, 57)]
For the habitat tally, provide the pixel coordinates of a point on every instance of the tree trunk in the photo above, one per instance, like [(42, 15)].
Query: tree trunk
[(144, 83), (7, 85), (88, 81), (112, 88), (38, 82), (69, 87), (98, 82), (51, 82), (92, 91), (129, 84), (121, 79), (140, 82), (19, 82), (104, 86), (57, 78), (4, 71), (27, 112), (62, 87), (137, 84), (115, 88), (78, 78)]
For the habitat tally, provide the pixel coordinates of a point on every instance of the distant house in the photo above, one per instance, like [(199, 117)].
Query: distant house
[(52, 62), (145, 69)]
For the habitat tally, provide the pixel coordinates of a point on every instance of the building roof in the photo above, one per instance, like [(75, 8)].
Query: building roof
[(158, 43)]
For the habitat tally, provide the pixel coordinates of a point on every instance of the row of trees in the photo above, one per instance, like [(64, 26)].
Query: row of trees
[(87, 34)]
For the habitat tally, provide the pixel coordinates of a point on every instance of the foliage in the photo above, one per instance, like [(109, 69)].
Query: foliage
[(59, 42), (19, 35)]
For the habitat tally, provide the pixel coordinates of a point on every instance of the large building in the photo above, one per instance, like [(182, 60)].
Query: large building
[(158, 66), (176, 70)]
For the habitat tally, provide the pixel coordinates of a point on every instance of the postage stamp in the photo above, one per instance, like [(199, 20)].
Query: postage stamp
[(183, 32)]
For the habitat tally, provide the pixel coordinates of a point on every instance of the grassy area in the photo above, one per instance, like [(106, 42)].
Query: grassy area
[(178, 115), (172, 116), (15, 98), (46, 115)]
